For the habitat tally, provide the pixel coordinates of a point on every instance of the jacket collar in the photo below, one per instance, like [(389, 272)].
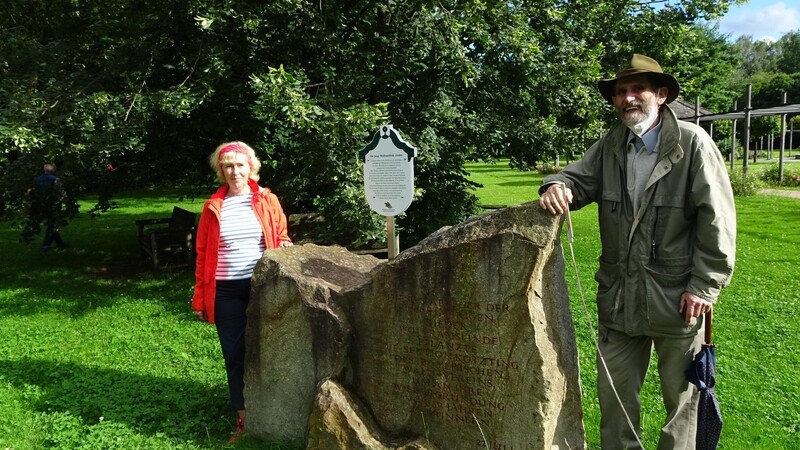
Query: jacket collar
[(617, 137), (223, 190), (670, 132)]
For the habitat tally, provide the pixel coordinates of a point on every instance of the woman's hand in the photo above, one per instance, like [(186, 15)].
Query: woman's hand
[(201, 315)]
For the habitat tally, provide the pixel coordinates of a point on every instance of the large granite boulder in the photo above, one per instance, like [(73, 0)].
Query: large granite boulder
[(296, 335), (463, 341)]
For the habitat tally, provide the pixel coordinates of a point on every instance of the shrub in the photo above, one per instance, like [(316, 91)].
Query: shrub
[(547, 169), (791, 176), (744, 184)]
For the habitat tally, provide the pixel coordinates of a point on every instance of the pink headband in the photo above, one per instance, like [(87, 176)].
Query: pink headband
[(235, 148)]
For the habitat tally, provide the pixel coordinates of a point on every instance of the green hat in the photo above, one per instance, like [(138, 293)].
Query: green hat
[(641, 65)]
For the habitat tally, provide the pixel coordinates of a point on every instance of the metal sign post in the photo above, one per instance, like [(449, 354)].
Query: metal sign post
[(389, 179)]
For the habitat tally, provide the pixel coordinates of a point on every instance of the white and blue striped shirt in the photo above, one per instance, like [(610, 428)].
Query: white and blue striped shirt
[(241, 240)]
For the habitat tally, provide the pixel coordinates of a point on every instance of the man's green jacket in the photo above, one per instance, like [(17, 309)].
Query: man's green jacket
[(683, 237)]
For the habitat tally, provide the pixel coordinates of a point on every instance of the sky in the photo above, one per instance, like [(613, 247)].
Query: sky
[(762, 19)]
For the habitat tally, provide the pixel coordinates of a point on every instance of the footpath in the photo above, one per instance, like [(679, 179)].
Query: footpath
[(780, 192)]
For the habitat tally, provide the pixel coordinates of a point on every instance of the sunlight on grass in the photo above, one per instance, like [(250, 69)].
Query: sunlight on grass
[(501, 185), (96, 352), (757, 330)]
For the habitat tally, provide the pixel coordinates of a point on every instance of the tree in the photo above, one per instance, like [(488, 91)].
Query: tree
[(756, 56), (686, 44), (789, 59), (150, 89)]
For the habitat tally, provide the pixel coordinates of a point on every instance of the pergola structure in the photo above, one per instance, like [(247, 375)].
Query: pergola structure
[(697, 114), (793, 108)]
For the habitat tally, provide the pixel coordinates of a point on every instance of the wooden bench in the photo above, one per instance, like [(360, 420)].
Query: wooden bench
[(169, 240)]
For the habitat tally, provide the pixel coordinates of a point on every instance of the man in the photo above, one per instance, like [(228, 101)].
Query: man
[(48, 196), (668, 233)]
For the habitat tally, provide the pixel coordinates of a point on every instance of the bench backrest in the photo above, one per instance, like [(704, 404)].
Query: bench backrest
[(182, 219)]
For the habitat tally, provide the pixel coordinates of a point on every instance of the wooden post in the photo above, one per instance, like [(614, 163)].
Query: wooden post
[(770, 144), (733, 138), (783, 140), (697, 110), (392, 240), (746, 138)]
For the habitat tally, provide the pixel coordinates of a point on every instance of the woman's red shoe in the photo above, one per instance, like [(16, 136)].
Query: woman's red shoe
[(239, 430)]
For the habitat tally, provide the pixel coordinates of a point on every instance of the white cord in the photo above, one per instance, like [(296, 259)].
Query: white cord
[(570, 239)]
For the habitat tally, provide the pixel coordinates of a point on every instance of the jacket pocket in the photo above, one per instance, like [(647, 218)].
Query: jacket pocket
[(608, 290), (671, 235), (664, 286), (612, 229)]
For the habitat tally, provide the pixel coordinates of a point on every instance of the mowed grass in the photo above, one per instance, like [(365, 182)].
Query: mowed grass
[(97, 353), (756, 325)]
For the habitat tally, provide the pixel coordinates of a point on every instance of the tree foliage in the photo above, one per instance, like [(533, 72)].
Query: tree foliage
[(135, 94), (789, 59), (772, 68)]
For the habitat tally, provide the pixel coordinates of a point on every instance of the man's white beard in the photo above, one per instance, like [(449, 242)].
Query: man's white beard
[(642, 126)]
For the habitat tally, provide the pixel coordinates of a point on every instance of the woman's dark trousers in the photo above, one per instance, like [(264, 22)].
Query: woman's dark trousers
[(231, 320)]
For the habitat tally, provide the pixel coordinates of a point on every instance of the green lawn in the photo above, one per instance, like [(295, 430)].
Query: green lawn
[(96, 353), (756, 327)]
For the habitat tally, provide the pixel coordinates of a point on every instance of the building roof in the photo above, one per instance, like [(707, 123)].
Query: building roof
[(757, 112), (685, 110)]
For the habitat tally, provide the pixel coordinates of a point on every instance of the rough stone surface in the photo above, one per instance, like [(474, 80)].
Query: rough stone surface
[(296, 336), (339, 421), (464, 341), (467, 338)]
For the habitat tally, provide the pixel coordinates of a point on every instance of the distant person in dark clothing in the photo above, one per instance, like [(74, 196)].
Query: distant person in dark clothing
[(47, 198)]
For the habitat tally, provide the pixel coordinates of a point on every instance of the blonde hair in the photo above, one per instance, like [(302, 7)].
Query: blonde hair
[(227, 152)]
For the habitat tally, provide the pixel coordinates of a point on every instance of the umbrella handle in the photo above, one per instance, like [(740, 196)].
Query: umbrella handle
[(708, 318)]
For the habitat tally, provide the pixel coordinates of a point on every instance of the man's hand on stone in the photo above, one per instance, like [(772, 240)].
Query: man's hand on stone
[(556, 198)]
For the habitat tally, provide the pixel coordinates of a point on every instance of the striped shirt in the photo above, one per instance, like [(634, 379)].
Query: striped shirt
[(241, 240)]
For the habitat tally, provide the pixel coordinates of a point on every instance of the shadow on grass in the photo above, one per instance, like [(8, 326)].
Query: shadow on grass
[(75, 293), (524, 183), (176, 408), (489, 169), (101, 266)]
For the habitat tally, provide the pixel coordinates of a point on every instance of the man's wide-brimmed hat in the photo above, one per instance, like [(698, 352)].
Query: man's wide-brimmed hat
[(641, 65)]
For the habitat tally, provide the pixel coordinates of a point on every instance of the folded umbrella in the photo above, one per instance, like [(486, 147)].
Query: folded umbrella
[(702, 372)]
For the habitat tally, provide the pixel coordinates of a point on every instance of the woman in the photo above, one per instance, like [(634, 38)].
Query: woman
[(237, 224)]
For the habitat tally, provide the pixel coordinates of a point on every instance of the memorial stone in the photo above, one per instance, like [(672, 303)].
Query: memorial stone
[(467, 338), (464, 341)]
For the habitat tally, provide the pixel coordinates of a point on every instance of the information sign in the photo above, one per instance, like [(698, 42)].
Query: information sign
[(388, 172)]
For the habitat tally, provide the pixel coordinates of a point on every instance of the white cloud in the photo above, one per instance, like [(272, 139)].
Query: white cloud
[(768, 22)]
